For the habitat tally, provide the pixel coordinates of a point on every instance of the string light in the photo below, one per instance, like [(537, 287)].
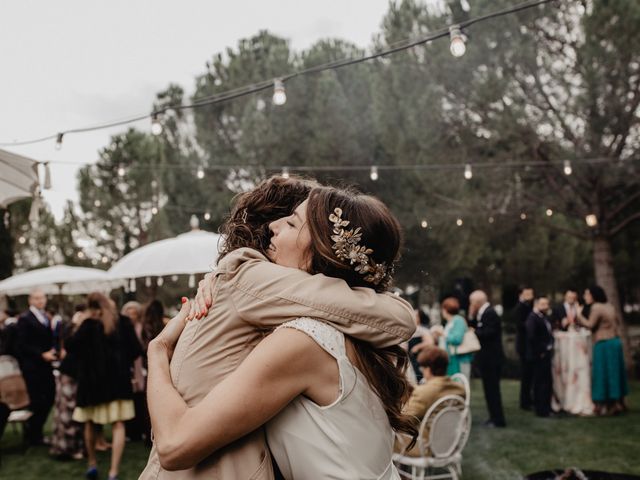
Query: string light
[(156, 126), (105, 259), (468, 174), (424, 223), (458, 40), (491, 220), (147, 282), (207, 216), (121, 171), (154, 210), (174, 278), (459, 222), (80, 254), (591, 220), (279, 94), (200, 173), (285, 172), (59, 141), (549, 212), (567, 167), (523, 216), (160, 281), (374, 173), (97, 203)]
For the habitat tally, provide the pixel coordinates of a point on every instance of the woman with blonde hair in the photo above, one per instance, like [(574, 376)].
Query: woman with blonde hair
[(105, 346)]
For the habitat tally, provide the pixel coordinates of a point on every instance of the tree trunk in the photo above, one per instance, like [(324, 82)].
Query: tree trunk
[(605, 277)]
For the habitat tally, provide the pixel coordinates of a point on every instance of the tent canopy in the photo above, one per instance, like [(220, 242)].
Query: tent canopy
[(59, 279), (18, 177)]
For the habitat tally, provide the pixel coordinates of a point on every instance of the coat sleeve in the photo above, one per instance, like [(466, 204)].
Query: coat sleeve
[(24, 346), (267, 295)]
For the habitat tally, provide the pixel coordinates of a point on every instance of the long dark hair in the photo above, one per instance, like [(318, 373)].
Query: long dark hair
[(384, 368), (597, 292), (104, 309), (248, 223), (152, 321)]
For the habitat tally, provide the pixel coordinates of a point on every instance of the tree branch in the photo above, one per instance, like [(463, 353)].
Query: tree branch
[(568, 231), (623, 205), (618, 228)]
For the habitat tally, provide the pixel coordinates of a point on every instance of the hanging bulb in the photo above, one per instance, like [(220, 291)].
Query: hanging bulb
[(459, 222), (47, 176), (121, 171), (468, 174), (523, 216), (194, 223), (174, 278), (160, 281), (279, 95), (156, 126), (59, 141), (147, 282), (458, 40), (192, 281), (374, 173), (207, 216), (424, 223), (567, 167), (200, 173), (154, 211), (549, 212), (491, 219), (591, 220), (285, 172), (132, 285)]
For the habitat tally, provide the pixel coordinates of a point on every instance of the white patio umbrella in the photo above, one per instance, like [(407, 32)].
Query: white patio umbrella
[(187, 254), (60, 279), (18, 177)]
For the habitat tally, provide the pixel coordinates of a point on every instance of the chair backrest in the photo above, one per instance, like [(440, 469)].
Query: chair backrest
[(448, 422), (461, 378)]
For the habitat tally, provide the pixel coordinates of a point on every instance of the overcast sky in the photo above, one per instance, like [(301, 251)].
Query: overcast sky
[(73, 63)]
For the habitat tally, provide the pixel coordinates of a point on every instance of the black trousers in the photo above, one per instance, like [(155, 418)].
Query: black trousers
[(42, 393), (542, 384), (490, 365), (526, 382)]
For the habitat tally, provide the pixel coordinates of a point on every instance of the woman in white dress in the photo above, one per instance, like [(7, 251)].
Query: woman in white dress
[(331, 403)]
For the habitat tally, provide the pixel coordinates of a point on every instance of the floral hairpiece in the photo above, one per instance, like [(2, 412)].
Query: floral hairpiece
[(347, 248)]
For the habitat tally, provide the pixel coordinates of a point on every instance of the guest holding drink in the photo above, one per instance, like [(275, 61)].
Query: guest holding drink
[(609, 379)]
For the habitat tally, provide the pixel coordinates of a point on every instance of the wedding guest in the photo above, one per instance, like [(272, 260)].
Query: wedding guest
[(66, 440), (488, 328), (153, 321), (521, 313), (452, 336), (422, 337), (539, 353), (609, 379), (106, 346), (35, 353), (434, 362), (564, 315)]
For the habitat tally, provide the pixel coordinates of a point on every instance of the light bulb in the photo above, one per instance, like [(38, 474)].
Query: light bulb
[(159, 281), (154, 210), (285, 172), (279, 94), (147, 282), (549, 212), (97, 203), (156, 126), (174, 278), (591, 220), (459, 222), (105, 259), (121, 171), (207, 216), (200, 173), (59, 141), (374, 173), (424, 223), (80, 254), (468, 174), (491, 220), (523, 216), (458, 40), (567, 167)]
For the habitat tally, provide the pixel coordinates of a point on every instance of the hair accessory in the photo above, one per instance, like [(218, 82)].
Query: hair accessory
[(244, 215), (347, 248)]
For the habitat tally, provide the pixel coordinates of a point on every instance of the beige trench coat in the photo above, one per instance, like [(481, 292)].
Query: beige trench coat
[(251, 297)]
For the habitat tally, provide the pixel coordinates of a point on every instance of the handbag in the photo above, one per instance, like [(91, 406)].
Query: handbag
[(470, 343)]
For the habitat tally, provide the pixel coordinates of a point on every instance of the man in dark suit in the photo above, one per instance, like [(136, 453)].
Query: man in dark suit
[(34, 348), (520, 314), (565, 314), (488, 328), (539, 353)]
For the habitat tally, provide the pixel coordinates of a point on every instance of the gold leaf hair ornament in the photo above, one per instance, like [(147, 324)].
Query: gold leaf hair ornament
[(347, 248)]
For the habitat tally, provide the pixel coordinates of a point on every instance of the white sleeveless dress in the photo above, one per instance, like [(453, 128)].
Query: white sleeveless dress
[(349, 439)]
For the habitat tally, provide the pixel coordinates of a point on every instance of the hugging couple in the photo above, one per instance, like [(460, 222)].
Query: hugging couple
[(287, 364)]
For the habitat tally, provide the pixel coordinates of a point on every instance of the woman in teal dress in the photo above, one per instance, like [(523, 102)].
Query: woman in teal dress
[(452, 336), (608, 376)]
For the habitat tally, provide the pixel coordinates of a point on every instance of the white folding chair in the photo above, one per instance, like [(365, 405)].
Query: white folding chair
[(461, 378), (449, 423)]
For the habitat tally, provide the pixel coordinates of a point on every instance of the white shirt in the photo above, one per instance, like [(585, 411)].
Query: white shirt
[(483, 309), (40, 316)]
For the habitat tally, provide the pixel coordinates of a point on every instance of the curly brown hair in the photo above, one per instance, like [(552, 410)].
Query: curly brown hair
[(247, 225), (384, 368)]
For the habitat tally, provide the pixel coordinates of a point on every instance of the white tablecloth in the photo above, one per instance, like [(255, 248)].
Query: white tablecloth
[(572, 372)]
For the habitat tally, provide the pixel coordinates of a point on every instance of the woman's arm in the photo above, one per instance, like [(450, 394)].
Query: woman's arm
[(456, 334), (594, 317), (280, 368)]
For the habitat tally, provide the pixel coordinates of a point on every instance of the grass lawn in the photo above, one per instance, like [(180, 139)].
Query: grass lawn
[(527, 445)]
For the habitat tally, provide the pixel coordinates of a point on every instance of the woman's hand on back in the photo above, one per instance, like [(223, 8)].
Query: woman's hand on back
[(203, 301)]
